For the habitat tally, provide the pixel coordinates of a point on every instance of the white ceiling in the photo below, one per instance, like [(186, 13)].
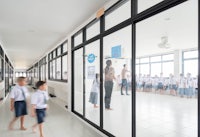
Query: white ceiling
[(29, 28), (179, 24)]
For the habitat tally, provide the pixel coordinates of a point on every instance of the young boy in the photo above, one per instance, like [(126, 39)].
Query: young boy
[(18, 97), (39, 105)]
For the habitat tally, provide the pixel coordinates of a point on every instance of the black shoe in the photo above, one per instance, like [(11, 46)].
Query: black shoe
[(122, 94)]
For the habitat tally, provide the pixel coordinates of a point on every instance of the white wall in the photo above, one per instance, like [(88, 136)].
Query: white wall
[(63, 90)]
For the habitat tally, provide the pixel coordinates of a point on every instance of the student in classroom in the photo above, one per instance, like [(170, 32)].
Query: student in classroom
[(18, 103), (39, 105), (95, 91), (182, 85)]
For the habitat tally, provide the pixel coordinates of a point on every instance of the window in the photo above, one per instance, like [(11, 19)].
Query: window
[(144, 60), (54, 69), (118, 15), (42, 69), (93, 30), (156, 59), (58, 68), (168, 68), (58, 64), (145, 4), (168, 57), (190, 62), (78, 39), (65, 45), (64, 68), (59, 51), (155, 69), (190, 54), (1, 64)]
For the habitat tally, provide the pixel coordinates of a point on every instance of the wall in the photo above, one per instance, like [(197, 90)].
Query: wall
[(63, 90)]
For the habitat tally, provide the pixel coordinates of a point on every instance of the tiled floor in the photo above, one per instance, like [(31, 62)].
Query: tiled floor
[(59, 123), (156, 115)]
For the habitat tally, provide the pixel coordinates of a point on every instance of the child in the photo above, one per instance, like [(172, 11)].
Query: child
[(39, 105), (18, 97), (95, 91)]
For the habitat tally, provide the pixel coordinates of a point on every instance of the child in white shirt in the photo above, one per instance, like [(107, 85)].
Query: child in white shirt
[(39, 105), (18, 97)]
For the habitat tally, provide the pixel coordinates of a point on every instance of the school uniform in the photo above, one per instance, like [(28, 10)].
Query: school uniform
[(189, 87), (19, 94), (182, 82), (172, 83), (148, 83), (195, 85), (160, 83), (140, 82), (94, 92), (155, 83), (39, 99)]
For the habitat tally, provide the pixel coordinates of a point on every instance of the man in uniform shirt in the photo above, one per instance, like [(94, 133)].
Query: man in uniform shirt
[(18, 97)]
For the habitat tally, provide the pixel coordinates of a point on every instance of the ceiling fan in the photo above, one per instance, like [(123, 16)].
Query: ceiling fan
[(164, 43)]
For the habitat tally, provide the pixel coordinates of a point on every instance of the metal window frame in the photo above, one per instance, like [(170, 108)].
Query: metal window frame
[(135, 18)]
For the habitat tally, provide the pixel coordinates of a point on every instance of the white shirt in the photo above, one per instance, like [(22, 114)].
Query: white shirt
[(172, 81), (17, 93), (148, 80), (155, 81), (182, 82), (189, 82), (95, 86), (39, 99), (161, 80)]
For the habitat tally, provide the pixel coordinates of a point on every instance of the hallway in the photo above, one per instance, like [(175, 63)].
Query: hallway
[(59, 123)]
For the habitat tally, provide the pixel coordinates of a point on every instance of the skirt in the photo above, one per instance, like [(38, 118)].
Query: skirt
[(93, 97)]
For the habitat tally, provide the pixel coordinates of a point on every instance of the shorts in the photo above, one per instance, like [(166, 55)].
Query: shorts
[(148, 86), (160, 86), (173, 87), (20, 108), (41, 114)]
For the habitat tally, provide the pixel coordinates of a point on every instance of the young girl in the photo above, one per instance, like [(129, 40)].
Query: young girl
[(95, 91), (39, 105)]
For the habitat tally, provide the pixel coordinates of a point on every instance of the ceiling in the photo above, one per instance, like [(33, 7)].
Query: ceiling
[(179, 24), (29, 28)]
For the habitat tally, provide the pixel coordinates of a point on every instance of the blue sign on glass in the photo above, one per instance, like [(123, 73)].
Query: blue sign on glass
[(91, 58), (116, 51)]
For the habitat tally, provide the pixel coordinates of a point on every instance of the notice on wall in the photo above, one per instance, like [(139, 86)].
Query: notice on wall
[(91, 72), (91, 58), (116, 51)]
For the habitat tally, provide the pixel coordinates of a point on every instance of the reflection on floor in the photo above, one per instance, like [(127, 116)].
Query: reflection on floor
[(157, 116), (59, 123)]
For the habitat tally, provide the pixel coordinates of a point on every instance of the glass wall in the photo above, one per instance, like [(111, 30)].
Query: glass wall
[(166, 104), (117, 82), (147, 85), (78, 81), (92, 82)]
